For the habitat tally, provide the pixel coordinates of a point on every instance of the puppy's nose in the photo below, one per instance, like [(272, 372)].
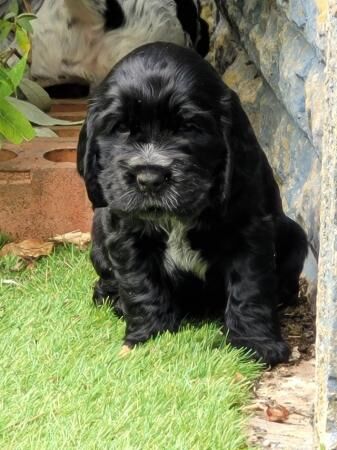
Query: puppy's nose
[(151, 181)]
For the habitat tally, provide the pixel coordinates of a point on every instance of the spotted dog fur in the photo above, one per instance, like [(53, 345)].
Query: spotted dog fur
[(81, 40)]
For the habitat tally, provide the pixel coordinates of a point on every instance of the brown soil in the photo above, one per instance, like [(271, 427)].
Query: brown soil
[(298, 326), (288, 387)]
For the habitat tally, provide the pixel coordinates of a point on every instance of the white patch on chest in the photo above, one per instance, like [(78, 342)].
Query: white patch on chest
[(178, 253)]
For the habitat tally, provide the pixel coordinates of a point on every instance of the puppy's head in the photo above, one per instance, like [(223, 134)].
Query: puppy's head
[(154, 141)]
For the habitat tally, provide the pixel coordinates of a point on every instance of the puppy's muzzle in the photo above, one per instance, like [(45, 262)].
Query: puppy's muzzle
[(152, 179)]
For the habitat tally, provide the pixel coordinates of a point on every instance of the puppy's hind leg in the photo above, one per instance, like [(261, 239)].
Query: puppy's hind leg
[(291, 251), (251, 314), (105, 292), (106, 289)]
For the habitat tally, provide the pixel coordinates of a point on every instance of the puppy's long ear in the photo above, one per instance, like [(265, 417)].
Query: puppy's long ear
[(87, 166), (243, 148), (81, 149)]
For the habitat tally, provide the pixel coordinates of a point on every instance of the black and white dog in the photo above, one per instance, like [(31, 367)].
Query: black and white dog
[(81, 40), (188, 217)]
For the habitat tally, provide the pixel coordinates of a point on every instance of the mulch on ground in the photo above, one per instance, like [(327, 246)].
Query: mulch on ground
[(288, 389)]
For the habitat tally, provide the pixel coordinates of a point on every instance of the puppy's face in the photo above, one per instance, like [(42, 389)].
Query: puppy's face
[(157, 138)]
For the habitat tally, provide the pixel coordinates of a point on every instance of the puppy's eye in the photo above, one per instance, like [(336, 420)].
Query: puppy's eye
[(121, 127)]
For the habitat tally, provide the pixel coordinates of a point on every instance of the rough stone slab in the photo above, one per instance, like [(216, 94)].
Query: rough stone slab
[(310, 17), (286, 59), (292, 387), (326, 372)]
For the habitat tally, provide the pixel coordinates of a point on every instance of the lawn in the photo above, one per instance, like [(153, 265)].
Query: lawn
[(63, 385)]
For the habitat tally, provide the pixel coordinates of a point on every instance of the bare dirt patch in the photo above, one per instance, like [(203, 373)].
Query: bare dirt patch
[(283, 408)]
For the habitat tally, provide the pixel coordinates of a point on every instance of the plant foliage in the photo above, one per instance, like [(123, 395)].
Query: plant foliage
[(14, 53)]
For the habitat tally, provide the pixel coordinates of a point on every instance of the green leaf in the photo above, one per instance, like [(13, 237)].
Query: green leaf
[(13, 8), (9, 15), (22, 39), (35, 94), (44, 132), (24, 21), (13, 125), (35, 115), (14, 74), (2, 140), (29, 16), (6, 84), (5, 28)]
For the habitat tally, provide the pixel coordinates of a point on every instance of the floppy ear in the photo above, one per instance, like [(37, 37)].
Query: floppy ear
[(81, 149), (87, 166), (243, 148)]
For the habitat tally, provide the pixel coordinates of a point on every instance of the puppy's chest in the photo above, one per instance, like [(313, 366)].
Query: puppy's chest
[(179, 254)]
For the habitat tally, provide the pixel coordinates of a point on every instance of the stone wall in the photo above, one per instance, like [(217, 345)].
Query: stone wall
[(326, 342), (272, 53)]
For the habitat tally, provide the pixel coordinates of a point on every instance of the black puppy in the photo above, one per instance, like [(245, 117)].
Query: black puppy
[(188, 217)]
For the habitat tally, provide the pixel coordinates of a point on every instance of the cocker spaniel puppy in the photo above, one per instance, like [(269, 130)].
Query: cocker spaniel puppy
[(188, 217), (81, 40)]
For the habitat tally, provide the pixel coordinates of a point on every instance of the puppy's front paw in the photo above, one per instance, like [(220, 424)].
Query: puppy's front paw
[(269, 351), (125, 350), (272, 352)]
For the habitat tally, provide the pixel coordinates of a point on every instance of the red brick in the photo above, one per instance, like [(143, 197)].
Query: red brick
[(41, 193)]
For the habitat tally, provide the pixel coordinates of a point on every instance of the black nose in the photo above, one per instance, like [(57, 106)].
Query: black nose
[(151, 181)]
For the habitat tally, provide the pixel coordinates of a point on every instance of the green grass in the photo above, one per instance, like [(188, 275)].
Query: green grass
[(63, 385)]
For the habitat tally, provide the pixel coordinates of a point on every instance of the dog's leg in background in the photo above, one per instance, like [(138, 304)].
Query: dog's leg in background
[(75, 30), (97, 13), (90, 12), (251, 314)]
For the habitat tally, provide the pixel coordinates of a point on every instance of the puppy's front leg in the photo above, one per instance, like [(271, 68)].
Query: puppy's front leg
[(144, 297), (146, 311), (251, 313)]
